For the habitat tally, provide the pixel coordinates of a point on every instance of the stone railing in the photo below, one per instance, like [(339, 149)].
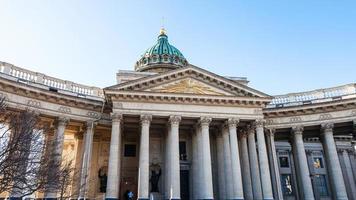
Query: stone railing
[(315, 96), (53, 84)]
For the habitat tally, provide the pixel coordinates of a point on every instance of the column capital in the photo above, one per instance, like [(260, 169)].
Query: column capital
[(62, 121), (259, 123), (145, 119), (242, 133), (204, 121), (174, 119), (270, 132), (327, 127), (297, 130), (233, 122), (90, 124), (116, 117), (251, 128)]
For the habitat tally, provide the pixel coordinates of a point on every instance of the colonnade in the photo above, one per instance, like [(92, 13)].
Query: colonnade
[(246, 159)]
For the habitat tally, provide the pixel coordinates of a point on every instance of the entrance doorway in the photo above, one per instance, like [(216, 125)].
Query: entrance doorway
[(184, 184)]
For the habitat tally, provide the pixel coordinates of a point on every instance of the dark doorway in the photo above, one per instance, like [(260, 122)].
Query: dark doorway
[(184, 185)]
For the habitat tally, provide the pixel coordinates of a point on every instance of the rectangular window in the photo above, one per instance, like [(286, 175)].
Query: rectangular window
[(130, 150), (286, 181), (284, 161), (321, 186), (318, 162), (182, 150)]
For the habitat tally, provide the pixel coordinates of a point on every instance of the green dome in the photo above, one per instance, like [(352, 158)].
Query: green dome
[(161, 56)]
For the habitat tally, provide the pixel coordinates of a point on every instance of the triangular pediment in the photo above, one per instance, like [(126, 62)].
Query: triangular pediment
[(188, 85), (188, 80)]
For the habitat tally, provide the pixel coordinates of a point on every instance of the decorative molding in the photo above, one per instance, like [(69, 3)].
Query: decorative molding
[(242, 133), (62, 121), (298, 130), (189, 86), (295, 119), (204, 121), (327, 127), (174, 119), (34, 103), (250, 128), (116, 117), (64, 109), (145, 119), (233, 122), (353, 113), (325, 116), (259, 123), (270, 121), (93, 114), (257, 111)]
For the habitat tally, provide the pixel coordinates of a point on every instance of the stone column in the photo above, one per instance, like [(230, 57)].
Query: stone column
[(276, 180), (255, 171), (303, 170), (207, 190), (114, 178), (143, 170), (195, 164), (221, 167), (235, 160), (86, 158), (349, 173), (168, 163), (227, 163), (245, 166), (263, 159), (57, 155), (174, 158), (334, 168)]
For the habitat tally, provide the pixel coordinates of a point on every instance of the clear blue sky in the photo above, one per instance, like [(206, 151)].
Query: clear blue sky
[(280, 46)]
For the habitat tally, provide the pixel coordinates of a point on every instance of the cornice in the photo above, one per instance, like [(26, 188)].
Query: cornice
[(338, 105), (48, 96), (139, 96)]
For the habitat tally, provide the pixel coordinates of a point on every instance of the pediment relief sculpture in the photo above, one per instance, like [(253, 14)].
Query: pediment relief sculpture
[(188, 86)]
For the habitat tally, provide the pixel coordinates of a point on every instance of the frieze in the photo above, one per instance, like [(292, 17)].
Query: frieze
[(64, 109), (34, 103), (295, 119), (353, 113), (325, 116), (270, 121), (93, 114), (257, 111)]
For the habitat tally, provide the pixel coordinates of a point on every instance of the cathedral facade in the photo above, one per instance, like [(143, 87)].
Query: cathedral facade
[(172, 130)]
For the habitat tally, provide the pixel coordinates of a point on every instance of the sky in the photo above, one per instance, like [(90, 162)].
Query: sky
[(280, 46)]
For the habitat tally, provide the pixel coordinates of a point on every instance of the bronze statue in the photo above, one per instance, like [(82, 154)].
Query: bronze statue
[(154, 180), (103, 179)]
